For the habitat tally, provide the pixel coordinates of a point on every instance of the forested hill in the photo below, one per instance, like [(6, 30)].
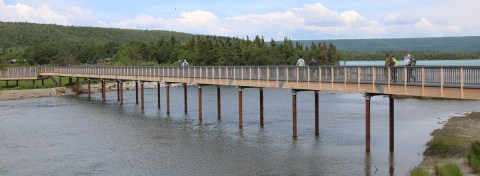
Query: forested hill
[(19, 35), (444, 44)]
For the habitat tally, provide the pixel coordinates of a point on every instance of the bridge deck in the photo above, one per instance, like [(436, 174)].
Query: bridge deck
[(436, 82)]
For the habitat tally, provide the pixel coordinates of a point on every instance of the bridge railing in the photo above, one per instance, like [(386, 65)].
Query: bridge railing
[(19, 73), (468, 77)]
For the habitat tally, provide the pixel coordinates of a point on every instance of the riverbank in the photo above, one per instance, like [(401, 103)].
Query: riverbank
[(450, 143)]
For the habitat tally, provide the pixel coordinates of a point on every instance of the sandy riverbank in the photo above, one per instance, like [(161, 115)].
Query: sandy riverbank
[(456, 135)]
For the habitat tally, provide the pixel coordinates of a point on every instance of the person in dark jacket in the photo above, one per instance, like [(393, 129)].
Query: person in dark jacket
[(313, 62)]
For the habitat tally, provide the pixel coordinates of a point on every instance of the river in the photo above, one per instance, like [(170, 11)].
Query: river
[(77, 136)]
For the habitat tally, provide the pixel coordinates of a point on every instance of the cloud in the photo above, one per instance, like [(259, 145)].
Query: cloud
[(308, 21)]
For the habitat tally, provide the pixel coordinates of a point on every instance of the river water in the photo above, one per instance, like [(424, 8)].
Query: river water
[(77, 136)]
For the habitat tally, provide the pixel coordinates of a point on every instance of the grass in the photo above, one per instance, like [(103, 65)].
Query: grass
[(446, 146), (418, 172), (473, 157), (37, 84), (448, 170)]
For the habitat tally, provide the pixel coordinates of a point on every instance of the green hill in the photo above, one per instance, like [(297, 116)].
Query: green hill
[(19, 35), (444, 44)]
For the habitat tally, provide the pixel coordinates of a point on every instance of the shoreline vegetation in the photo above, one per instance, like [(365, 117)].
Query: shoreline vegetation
[(450, 146)]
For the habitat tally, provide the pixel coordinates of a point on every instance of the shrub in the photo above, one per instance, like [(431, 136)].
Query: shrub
[(476, 148), (448, 170), (418, 172)]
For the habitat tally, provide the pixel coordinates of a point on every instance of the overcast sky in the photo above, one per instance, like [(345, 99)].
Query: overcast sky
[(298, 20)]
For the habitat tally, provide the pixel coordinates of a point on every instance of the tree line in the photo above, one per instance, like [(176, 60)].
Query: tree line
[(199, 50)]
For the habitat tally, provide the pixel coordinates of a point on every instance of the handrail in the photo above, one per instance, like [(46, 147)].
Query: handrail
[(425, 76)]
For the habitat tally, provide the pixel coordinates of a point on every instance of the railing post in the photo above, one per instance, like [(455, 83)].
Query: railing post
[(442, 80), (462, 81)]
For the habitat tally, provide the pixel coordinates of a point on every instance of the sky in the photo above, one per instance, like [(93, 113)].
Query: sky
[(277, 19)]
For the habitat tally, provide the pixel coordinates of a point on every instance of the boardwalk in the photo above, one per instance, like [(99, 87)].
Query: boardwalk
[(435, 82)]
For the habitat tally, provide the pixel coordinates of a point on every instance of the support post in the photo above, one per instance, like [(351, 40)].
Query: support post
[(89, 90), (33, 83), (136, 92), (200, 103), (121, 92), (185, 98), (118, 90), (76, 86), (44, 84), (60, 80), (240, 108), (391, 117), (17, 83), (142, 95), (168, 98), (367, 122), (261, 107), (219, 109), (6, 83), (158, 94), (317, 128), (294, 110), (103, 91)]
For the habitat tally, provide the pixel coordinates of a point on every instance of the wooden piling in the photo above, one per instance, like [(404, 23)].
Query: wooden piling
[(367, 122), (261, 107), (391, 117), (240, 108), (200, 103), (103, 90), (317, 127), (294, 110)]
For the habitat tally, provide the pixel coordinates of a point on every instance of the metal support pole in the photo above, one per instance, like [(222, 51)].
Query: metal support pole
[(76, 86), (185, 98), (200, 103), (391, 117), (118, 90), (143, 95), (158, 94), (121, 93), (103, 91), (367, 122), (44, 84), (33, 83), (60, 80), (317, 128), (294, 110), (168, 98), (17, 83), (261, 107), (89, 90), (219, 109), (136, 92), (240, 108), (6, 83)]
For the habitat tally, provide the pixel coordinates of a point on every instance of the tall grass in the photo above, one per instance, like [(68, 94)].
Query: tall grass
[(473, 157), (448, 170)]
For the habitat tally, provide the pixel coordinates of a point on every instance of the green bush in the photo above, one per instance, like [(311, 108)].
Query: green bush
[(418, 172), (448, 170), (473, 162)]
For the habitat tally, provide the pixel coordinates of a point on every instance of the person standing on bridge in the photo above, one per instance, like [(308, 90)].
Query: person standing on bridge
[(300, 61), (185, 63), (409, 61)]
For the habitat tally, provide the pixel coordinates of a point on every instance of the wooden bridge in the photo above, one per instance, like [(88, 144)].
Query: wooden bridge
[(419, 81)]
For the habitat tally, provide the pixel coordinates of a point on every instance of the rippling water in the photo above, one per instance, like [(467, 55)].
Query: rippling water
[(75, 136)]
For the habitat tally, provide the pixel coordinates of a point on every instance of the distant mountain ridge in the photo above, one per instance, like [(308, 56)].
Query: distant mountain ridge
[(445, 44), (22, 34)]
